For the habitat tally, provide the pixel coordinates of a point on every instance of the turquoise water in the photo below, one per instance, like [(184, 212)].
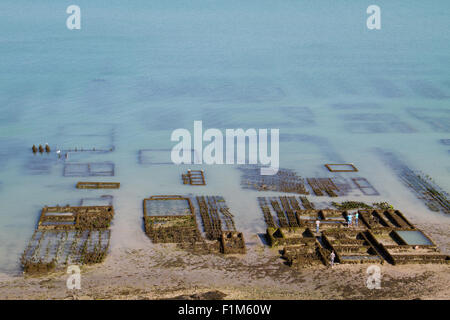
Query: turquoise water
[(414, 237), (136, 71)]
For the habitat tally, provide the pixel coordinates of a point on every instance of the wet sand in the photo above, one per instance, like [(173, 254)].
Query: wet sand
[(164, 272)]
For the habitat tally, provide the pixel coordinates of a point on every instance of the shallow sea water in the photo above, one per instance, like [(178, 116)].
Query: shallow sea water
[(136, 71)]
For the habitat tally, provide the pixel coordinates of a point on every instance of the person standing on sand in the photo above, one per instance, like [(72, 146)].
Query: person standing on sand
[(356, 218), (317, 225), (332, 256)]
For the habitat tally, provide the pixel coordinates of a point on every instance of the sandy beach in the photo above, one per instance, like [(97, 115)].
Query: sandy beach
[(165, 272)]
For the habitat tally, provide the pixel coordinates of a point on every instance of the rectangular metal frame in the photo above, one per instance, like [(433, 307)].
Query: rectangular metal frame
[(329, 167)]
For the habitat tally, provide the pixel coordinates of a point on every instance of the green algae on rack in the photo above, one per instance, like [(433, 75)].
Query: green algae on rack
[(421, 184), (351, 244), (98, 185), (68, 235), (167, 224), (194, 178)]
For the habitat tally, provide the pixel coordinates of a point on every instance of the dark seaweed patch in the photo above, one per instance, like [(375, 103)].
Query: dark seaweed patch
[(427, 90), (386, 88)]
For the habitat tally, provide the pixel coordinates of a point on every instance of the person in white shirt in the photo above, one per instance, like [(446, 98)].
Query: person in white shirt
[(332, 256)]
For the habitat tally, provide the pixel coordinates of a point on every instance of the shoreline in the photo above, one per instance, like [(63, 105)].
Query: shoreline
[(163, 272)]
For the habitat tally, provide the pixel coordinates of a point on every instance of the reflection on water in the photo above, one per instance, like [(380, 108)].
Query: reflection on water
[(414, 238)]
